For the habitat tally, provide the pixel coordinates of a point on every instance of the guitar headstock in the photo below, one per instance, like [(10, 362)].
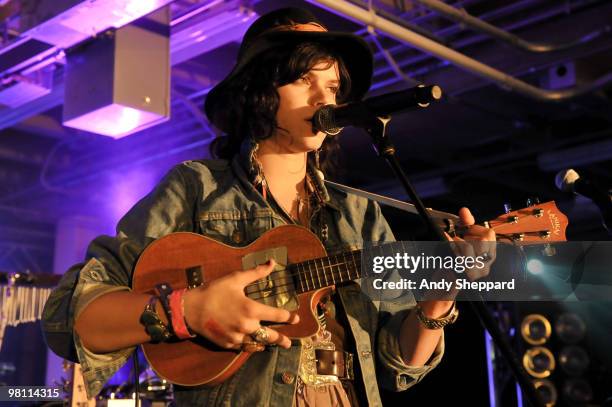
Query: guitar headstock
[(539, 223)]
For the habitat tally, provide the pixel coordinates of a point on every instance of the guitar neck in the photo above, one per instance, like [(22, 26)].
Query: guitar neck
[(323, 272), (327, 271), (542, 223)]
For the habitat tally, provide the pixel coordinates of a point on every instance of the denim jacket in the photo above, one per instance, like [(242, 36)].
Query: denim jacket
[(216, 198)]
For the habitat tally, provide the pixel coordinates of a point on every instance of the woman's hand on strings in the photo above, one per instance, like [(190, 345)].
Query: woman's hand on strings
[(221, 312), (478, 241)]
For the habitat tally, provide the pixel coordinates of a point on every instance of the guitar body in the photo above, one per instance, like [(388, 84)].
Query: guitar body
[(198, 361)]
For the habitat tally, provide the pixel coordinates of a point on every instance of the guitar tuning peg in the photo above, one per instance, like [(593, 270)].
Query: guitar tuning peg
[(507, 207), (533, 200)]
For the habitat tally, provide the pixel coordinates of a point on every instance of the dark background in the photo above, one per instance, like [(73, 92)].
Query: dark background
[(482, 146)]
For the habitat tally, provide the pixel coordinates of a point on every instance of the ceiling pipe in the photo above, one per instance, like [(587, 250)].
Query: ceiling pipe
[(370, 18), (509, 10), (407, 24), (415, 21), (477, 24), (472, 40)]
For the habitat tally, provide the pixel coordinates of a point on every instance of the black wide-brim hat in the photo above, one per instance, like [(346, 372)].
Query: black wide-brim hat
[(287, 26)]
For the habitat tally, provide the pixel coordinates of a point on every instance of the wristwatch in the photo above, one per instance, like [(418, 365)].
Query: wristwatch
[(154, 326), (438, 323)]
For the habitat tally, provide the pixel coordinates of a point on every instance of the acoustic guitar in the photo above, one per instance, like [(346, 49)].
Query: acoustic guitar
[(303, 276)]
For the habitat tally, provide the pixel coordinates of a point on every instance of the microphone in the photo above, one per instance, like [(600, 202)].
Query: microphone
[(331, 119), (570, 181)]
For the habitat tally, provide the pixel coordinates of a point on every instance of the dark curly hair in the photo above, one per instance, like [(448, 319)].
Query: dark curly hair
[(251, 100)]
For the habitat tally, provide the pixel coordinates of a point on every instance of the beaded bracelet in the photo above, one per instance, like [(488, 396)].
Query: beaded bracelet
[(437, 323), (154, 326)]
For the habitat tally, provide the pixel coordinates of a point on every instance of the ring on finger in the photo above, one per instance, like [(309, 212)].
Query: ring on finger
[(252, 347), (485, 256), (261, 335)]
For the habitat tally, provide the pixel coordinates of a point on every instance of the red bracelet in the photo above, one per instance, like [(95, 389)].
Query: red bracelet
[(177, 307)]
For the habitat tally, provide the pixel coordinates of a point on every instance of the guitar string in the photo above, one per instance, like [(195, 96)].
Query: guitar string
[(349, 257), (258, 290), (279, 292), (289, 275), (292, 271), (352, 253), (504, 222), (356, 260), (353, 256)]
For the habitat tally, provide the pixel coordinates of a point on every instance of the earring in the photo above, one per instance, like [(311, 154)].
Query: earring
[(254, 164), (317, 163)]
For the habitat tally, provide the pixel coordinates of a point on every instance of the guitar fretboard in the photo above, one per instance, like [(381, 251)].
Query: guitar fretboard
[(326, 271), (323, 272)]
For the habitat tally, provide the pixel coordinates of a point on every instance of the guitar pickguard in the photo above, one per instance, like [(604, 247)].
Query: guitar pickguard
[(277, 289)]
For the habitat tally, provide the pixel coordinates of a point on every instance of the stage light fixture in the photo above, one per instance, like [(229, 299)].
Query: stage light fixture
[(539, 362), (574, 360), (535, 329), (569, 368), (570, 328), (119, 83), (547, 391), (577, 391)]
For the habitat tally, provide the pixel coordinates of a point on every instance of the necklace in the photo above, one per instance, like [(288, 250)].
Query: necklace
[(302, 205), (299, 209)]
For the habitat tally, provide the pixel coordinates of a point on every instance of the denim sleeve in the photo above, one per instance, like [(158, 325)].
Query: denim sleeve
[(393, 373), (170, 207)]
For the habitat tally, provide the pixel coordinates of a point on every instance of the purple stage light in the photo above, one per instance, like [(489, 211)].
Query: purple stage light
[(116, 120)]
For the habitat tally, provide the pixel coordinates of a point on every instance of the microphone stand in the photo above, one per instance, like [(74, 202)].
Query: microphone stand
[(377, 129)]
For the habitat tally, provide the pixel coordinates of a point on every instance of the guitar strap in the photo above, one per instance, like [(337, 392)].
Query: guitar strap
[(395, 203)]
